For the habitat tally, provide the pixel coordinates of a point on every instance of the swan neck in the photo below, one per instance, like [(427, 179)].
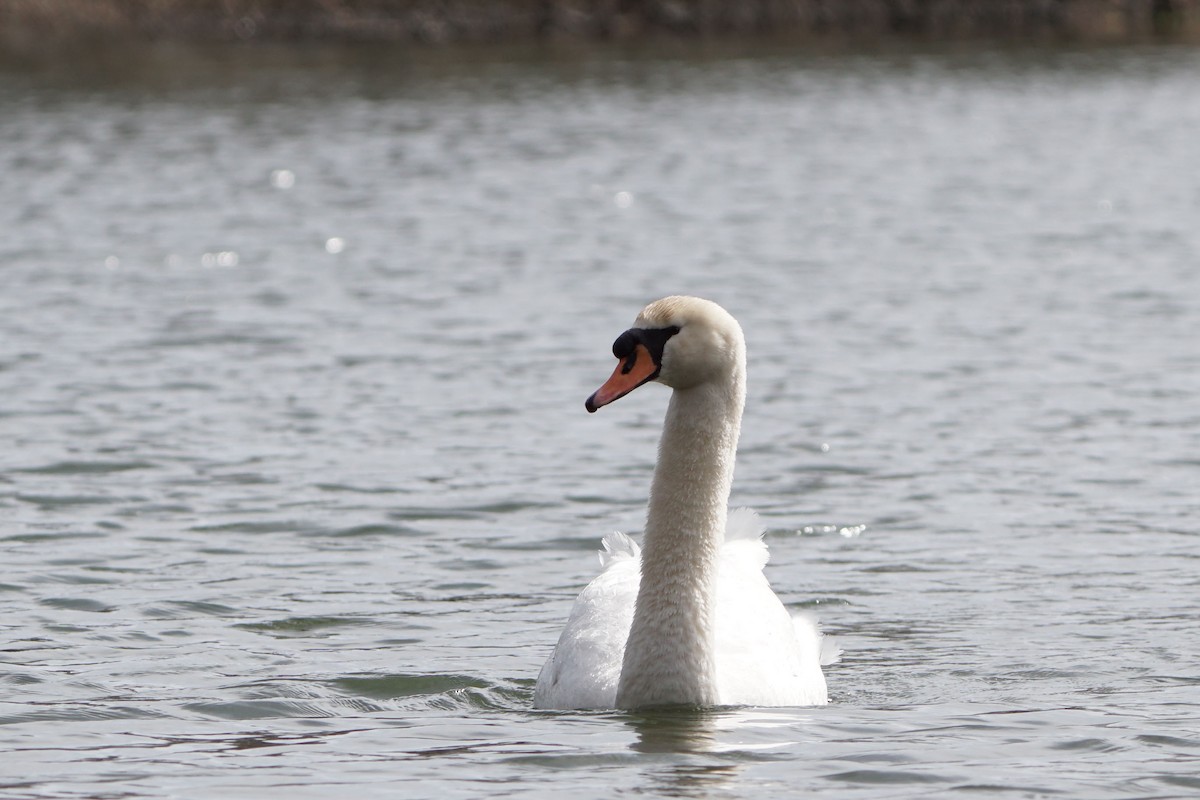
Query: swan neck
[(669, 657), (689, 496)]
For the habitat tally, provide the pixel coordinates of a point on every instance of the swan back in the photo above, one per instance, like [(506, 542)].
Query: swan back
[(764, 657)]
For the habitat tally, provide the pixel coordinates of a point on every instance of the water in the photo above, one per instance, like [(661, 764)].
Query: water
[(297, 485)]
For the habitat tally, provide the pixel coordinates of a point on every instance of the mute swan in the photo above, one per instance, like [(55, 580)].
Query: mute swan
[(689, 619)]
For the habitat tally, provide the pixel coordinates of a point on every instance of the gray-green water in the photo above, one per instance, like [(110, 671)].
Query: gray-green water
[(297, 485)]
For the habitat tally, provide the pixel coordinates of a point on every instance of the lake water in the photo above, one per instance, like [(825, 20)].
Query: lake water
[(297, 484)]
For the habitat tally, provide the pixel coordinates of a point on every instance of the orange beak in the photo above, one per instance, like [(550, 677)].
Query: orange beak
[(631, 373)]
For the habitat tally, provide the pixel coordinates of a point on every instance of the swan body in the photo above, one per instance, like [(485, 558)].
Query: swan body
[(688, 618)]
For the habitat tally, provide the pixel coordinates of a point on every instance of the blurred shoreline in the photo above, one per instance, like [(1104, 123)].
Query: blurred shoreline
[(33, 25)]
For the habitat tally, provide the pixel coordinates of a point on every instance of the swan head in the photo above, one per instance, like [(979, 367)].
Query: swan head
[(681, 342)]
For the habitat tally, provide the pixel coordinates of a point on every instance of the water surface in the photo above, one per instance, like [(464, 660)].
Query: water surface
[(297, 485)]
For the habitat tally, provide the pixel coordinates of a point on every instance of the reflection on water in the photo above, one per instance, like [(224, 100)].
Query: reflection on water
[(683, 732), (673, 731), (699, 780), (296, 476)]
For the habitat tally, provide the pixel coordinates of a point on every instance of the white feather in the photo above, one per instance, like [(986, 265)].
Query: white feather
[(765, 657)]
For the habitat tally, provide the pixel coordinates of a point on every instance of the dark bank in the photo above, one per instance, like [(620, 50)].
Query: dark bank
[(32, 24)]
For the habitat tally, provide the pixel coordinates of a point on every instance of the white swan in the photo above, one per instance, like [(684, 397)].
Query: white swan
[(690, 619)]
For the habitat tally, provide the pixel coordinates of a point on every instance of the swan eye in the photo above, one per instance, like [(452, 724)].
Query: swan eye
[(655, 340)]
